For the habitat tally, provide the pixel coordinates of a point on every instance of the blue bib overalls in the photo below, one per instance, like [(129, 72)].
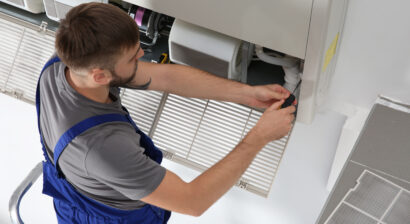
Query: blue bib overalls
[(69, 204)]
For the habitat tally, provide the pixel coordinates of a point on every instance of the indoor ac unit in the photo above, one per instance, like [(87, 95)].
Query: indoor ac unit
[(308, 30)]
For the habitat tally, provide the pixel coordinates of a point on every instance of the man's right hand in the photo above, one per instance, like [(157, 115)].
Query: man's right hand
[(273, 124)]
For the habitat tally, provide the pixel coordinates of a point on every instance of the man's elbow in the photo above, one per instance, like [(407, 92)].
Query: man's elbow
[(196, 212), (196, 205)]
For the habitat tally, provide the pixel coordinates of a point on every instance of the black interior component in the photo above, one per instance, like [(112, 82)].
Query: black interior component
[(288, 101), (262, 73)]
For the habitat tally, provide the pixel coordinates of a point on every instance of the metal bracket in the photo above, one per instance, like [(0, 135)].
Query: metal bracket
[(247, 50), (43, 27), (244, 61), (17, 93), (168, 154), (24, 186), (242, 183)]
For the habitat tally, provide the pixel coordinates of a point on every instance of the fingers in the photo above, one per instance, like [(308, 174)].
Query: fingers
[(276, 105), (281, 89), (289, 109), (289, 118), (279, 95), (277, 91)]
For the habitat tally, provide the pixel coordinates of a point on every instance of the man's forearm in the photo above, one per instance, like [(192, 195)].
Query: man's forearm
[(217, 180), (191, 82)]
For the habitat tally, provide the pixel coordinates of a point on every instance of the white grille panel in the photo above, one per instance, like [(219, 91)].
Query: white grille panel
[(35, 50), (142, 106), (24, 52), (178, 124), (10, 38), (263, 168), (199, 133), (219, 132)]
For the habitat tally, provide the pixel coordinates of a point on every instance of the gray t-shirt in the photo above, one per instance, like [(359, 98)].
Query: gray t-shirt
[(105, 163)]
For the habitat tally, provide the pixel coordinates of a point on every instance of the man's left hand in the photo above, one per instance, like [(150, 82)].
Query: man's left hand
[(265, 95)]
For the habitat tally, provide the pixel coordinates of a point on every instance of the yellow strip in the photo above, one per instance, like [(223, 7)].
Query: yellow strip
[(330, 52), (165, 59)]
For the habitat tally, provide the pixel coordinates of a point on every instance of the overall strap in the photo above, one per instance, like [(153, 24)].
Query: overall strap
[(83, 126), (50, 62), (130, 119)]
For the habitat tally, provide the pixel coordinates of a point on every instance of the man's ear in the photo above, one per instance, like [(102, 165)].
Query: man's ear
[(101, 76)]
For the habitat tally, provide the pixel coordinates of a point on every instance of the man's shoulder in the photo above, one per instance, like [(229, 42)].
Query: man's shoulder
[(112, 135), (52, 65), (51, 78)]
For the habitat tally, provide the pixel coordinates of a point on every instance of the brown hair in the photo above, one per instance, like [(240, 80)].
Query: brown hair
[(94, 35)]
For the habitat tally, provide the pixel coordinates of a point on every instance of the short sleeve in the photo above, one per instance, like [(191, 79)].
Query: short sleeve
[(119, 162)]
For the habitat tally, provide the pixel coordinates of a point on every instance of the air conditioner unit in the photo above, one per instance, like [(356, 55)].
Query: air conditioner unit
[(56, 9), (34, 6), (308, 30)]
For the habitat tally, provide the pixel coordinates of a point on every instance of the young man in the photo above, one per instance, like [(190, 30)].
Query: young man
[(100, 168)]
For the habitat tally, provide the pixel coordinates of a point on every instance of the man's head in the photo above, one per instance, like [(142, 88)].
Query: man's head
[(99, 40)]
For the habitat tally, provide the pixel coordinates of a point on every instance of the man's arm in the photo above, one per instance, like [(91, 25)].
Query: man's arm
[(191, 82), (196, 197)]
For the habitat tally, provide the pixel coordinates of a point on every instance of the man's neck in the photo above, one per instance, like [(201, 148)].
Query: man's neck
[(98, 94)]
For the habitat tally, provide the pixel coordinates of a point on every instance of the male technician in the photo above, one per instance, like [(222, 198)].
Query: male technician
[(100, 168)]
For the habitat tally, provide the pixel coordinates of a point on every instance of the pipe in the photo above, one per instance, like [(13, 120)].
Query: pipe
[(285, 61), (292, 77), (290, 67), (14, 203)]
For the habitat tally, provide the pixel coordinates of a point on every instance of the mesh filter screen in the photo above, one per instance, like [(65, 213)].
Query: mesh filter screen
[(373, 200), (373, 195), (400, 211), (348, 215)]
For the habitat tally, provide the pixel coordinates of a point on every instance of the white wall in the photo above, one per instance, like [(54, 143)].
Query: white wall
[(374, 55), (374, 59), (20, 150)]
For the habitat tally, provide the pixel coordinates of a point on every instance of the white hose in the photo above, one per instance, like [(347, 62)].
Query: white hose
[(290, 67), (292, 77), (285, 61)]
